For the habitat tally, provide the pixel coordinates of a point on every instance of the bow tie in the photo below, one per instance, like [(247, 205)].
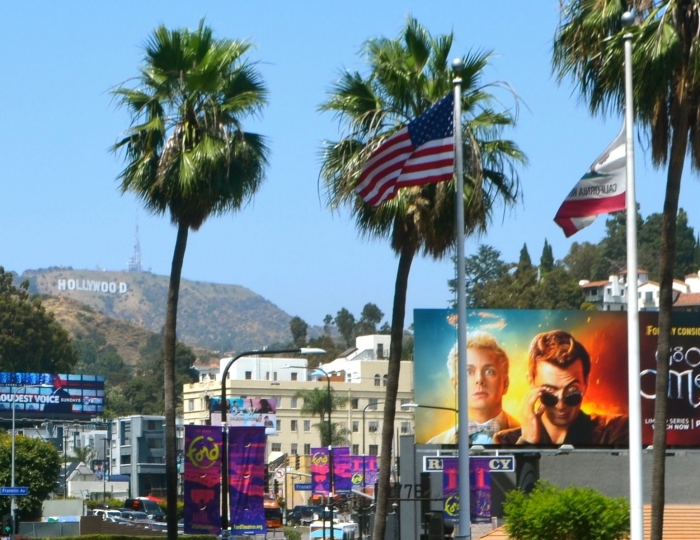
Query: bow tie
[(487, 428)]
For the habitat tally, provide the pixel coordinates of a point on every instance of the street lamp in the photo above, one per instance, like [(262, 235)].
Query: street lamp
[(224, 432), (418, 405), (13, 500)]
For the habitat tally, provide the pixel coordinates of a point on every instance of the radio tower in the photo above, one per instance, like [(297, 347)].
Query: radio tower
[(134, 264)]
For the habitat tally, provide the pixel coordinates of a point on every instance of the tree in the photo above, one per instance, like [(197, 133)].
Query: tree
[(479, 269), (187, 154), (588, 47), (370, 317), (37, 466), (546, 259), (345, 322), (316, 403), (298, 328), (580, 259), (30, 338), (524, 263), (406, 76)]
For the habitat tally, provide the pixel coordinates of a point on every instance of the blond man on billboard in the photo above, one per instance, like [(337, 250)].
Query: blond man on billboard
[(487, 382), (558, 372)]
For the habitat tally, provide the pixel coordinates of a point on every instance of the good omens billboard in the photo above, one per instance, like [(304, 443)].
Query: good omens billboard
[(50, 396), (544, 378)]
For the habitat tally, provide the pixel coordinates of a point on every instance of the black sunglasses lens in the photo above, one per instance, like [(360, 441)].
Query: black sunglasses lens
[(549, 400), (573, 399)]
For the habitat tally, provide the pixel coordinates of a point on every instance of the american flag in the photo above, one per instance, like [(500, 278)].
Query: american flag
[(419, 153)]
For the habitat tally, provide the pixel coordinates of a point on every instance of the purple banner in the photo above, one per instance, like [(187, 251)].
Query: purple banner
[(363, 470), (342, 474), (479, 489), (202, 479), (320, 467), (247, 479)]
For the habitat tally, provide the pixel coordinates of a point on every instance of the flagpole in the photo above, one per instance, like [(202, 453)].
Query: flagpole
[(464, 531), (633, 367)]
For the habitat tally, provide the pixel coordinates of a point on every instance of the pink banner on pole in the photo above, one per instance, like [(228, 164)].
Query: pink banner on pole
[(202, 480), (247, 479), (342, 473), (479, 489), (320, 471)]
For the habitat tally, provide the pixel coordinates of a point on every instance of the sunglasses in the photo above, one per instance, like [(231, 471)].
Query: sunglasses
[(550, 400)]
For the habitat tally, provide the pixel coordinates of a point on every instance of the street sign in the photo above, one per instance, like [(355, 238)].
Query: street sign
[(302, 487), (496, 463), (279, 473), (14, 490)]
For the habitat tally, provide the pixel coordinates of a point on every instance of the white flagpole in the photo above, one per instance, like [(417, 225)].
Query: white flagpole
[(464, 531), (633, 365)]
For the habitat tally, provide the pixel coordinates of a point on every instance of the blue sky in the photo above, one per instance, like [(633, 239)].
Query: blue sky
[(60, 204)]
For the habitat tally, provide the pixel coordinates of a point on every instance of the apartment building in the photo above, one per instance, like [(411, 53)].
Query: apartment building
[(360, 374)]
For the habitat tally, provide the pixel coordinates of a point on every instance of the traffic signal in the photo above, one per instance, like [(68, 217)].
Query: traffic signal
[(277, 487), (298, 464), (267, 481), (16, 523), (7, 525)]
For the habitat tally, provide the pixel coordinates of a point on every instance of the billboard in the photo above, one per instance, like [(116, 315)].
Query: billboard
[(259, 412), (546, 395), (52, 397)]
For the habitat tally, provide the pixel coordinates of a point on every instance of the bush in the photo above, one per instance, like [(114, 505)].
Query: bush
[(290, 533), (571, 513)]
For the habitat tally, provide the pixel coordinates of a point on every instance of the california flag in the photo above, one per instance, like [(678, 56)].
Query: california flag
[(600, 191)]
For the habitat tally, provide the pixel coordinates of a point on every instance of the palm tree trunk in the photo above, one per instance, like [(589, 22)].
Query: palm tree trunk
[(392, 389), (668, 252), (169, 342)]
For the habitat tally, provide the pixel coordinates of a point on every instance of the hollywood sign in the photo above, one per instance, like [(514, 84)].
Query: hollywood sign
[(92, 286)]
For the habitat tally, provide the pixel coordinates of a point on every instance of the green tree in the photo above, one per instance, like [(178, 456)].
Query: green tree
[(407, 75), (565, 513), (588, 47), (30, 337), (319, 403), (37, 466), (298, 329), (345, 323), (524, 267), (546, 259), (479, 269), (370, 317), (580, 260), (187, 154)]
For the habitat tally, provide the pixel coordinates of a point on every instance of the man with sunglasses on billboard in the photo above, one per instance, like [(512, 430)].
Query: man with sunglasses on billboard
[(559, 371)]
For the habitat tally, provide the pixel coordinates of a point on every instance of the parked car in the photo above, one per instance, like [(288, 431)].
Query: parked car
[(144, 504), (303, 515)]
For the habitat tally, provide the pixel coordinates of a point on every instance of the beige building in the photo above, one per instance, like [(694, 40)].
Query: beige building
[(360, 375)]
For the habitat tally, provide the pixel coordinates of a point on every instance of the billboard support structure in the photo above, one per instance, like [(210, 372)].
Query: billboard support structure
[(633, 363), (463, 440)]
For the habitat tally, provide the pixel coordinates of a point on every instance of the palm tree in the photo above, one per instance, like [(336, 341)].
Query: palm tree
[(316, 403), (186, 154), (588, 47), (406, 76)]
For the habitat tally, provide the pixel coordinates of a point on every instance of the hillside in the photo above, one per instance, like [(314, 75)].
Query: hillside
[(83, 322), (212, 316)]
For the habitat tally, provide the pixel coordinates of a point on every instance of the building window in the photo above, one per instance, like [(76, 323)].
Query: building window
[(648, 296), (295, 449), (126, 432), (372, 405), (377, 380), (373, 426), (385, 379), (248, 375), (405, 401), (373, 449), (405, 427), (294, 425), (380, 350), (154, 443), (274, 375), (355, 403), (307, 449), (307, 426), (267, 375), (190, 404), (355, 426), (278, 425), (125, 459), (294, 403), (294, 376), (276, 447), (356, 449)]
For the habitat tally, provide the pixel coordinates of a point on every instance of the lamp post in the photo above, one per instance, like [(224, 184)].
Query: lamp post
[(224, 432), (13, 500)]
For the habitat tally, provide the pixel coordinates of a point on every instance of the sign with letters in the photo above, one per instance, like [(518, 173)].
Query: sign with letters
[(496, 463)]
